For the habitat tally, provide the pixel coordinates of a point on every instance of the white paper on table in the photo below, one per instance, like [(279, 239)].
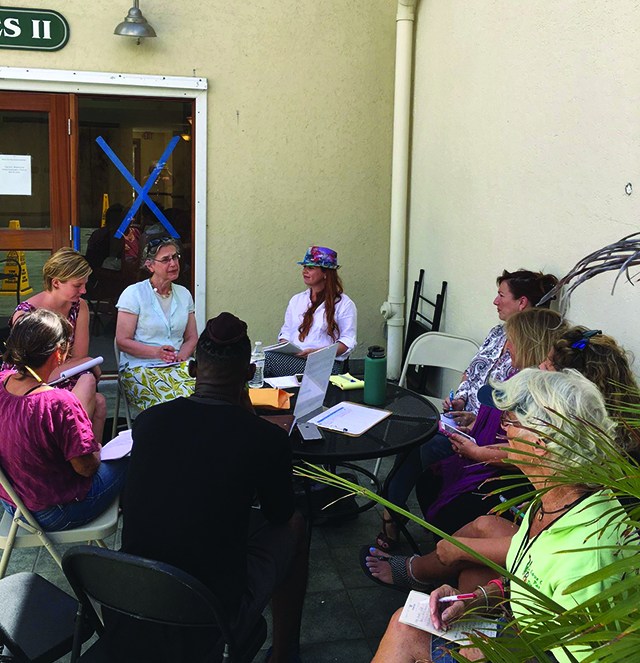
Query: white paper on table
[(119, 447), (15, 174), (285, 382), (287, 348), (416, 613), (350, 418)]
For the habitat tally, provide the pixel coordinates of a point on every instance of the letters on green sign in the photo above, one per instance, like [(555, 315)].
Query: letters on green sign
[(32, 29)]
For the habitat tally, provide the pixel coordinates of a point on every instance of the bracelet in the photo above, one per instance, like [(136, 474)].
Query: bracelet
[(498, 584), (484, 591), (411, 570)]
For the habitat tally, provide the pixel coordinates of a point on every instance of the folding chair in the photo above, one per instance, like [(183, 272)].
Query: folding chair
[(150, 593), (37, 620), (120, 393), (440, 351), (23, 531), (419, 323)]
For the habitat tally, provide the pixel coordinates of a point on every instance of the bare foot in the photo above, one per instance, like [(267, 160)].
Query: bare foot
[(378, 567)]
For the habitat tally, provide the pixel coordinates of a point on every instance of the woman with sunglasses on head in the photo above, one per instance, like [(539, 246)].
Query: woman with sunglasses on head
[(47, 446), (65, 277), (156, 326), (316, 318)]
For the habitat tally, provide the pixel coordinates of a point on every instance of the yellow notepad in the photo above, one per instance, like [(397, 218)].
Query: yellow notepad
[(346, 382)]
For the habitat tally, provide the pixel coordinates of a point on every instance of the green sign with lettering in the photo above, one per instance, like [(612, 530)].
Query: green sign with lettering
[(32, 29)]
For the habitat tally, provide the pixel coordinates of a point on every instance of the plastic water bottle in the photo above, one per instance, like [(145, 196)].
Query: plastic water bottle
[(257, 358)]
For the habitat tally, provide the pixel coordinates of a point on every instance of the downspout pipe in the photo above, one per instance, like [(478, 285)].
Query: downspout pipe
[(393, 309)]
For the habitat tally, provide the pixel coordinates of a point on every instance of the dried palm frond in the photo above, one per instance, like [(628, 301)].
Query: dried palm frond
[(619, 256)]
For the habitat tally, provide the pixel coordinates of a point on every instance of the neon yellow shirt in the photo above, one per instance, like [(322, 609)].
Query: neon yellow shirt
[(537, 563)]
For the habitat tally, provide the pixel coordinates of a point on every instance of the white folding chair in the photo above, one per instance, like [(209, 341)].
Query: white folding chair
[(23, 531), (440, 351), (120, 393)]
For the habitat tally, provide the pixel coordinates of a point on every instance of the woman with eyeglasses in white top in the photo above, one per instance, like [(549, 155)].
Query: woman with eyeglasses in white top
[(156, 330)]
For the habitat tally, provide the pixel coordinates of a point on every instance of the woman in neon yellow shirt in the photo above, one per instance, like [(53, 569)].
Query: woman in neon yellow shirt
[(580, 518)]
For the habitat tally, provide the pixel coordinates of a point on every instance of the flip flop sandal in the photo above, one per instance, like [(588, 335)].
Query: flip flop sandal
[(401, 580), (383, 540)]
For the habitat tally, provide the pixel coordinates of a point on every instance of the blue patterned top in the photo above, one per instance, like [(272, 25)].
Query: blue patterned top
[(489, 362)]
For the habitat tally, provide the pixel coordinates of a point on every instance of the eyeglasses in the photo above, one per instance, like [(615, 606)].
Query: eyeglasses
[(586, 337), (165, 261), (506, 422)]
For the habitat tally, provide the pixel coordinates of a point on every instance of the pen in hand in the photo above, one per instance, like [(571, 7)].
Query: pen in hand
[(457, 597), (451, 400)]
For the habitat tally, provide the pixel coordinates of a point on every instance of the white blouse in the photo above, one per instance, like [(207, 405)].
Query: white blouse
[(346, 316), (154, 327)]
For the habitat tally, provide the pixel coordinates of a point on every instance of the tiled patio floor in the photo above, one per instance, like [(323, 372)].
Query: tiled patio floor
[(345, 614)]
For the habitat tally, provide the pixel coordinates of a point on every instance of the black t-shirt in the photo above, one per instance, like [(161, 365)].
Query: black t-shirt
[(195, 469)]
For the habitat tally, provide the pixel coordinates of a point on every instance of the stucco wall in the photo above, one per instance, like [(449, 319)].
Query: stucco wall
[(526, 130), (299, 131)]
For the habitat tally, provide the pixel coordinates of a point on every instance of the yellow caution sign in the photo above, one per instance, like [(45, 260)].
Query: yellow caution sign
[(9, 285), (105, 207)]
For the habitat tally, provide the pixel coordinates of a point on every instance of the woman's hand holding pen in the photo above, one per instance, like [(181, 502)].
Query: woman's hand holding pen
[(166, 353), (453, 404), (443, 613)]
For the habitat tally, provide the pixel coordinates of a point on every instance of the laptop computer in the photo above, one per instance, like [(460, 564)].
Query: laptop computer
[(313, 389)]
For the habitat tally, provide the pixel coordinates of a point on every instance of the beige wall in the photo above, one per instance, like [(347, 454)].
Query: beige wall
[(300, 113), (526, 130)]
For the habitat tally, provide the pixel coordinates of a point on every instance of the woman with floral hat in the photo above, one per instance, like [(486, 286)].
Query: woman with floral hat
[(316, 318)]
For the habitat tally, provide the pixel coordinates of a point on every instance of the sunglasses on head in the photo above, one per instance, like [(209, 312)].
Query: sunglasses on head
[(586, 337), (158, 240)]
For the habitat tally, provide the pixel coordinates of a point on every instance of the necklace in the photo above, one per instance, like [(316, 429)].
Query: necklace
[(542, 513), (159, 293)]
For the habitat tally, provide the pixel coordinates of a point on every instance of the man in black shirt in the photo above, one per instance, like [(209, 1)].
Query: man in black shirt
[(197, 464)]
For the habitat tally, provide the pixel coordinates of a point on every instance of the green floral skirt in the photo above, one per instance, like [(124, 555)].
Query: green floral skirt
[(146, 386)]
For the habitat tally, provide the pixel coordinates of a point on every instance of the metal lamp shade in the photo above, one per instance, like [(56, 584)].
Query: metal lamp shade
[(135, 25)]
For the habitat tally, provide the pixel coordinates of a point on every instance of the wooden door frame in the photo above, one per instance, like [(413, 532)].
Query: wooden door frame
[(33, 79), (57, 106)]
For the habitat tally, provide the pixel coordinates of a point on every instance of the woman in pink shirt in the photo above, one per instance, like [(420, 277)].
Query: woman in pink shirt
[(47, 447)]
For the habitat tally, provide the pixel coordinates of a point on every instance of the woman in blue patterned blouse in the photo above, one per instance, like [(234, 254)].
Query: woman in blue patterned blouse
[(517, 291)]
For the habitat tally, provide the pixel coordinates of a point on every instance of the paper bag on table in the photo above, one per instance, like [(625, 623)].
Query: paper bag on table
[(278, 399)]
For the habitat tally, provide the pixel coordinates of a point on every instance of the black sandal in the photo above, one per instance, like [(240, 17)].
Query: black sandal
[(401, 580), (383, 540)]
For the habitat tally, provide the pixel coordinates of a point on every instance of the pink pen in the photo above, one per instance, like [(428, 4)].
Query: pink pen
[(458, 597)]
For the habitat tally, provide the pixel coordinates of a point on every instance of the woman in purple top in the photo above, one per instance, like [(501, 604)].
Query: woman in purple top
[(47, 446)]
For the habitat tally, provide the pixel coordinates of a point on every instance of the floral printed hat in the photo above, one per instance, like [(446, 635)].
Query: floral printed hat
[(320, 256)]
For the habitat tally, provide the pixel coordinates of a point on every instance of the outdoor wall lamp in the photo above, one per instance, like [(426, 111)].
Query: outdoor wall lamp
[(135, 25)]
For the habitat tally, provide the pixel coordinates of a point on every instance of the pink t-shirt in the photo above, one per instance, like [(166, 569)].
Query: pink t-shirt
[(39, 434)]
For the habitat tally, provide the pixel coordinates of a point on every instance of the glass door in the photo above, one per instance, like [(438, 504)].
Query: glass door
[(34, 188), (34, 171)]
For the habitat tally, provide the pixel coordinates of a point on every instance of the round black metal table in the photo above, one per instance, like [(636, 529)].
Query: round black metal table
[(413, 421)]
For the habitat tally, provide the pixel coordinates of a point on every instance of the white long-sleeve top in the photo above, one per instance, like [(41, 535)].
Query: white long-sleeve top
[(346, 316)]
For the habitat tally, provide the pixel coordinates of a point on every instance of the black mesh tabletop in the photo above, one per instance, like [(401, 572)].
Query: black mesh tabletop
[(413, 421)]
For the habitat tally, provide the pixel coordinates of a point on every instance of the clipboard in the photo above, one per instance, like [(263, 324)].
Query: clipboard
[(351, 419)]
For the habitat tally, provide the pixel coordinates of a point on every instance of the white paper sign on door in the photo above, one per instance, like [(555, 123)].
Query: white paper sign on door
[(15, 174)]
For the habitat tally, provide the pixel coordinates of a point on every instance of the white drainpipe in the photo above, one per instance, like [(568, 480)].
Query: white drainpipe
[(393, 309)]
